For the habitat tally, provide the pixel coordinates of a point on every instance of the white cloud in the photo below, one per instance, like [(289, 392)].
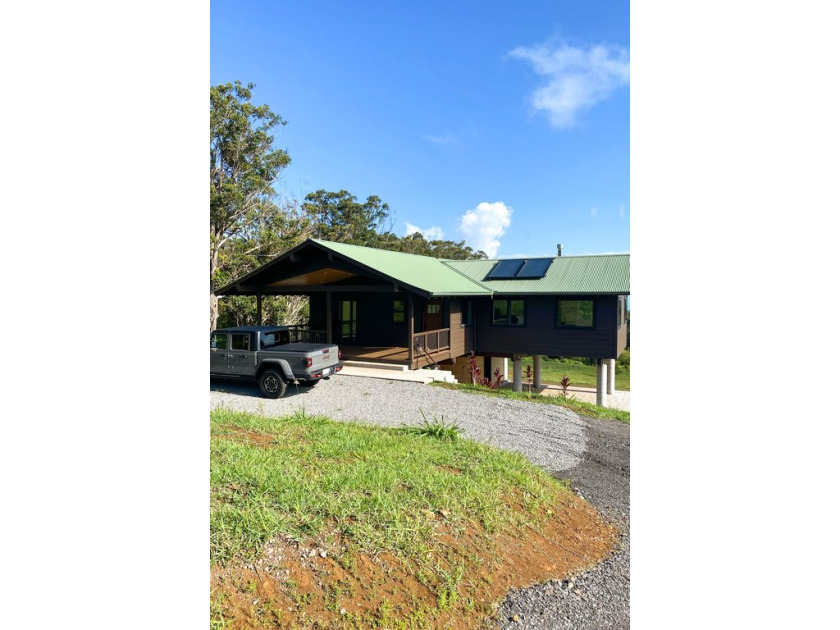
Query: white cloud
[(433, 233), (482, 226), (575, 79)]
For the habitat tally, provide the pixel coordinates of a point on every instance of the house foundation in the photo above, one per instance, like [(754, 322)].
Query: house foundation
[(517, 373), (537, 371), (601, 383)]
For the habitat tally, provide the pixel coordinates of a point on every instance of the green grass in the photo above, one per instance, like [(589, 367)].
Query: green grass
[(579, 407), (553, 370), (307, 476)]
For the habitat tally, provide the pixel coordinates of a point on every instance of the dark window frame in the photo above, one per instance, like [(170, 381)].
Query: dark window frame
[(557, 323), (508, 324), (467, 313)]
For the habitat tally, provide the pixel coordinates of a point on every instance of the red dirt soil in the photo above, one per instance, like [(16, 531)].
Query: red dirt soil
[(293, 586)]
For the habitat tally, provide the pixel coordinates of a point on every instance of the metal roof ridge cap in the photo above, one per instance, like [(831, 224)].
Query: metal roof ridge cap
[(461, 273)]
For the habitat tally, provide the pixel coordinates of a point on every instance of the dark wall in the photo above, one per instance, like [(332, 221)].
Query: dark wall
[(540, 335)]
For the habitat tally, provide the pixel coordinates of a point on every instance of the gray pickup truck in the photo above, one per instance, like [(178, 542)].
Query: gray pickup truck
[(266, 354)]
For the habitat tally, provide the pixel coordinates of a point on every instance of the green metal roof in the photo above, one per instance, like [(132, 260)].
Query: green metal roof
[(421, 272), (608, 273), (601, 274)]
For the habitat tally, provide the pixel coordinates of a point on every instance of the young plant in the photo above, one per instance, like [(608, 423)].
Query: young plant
[(474, 370), (436, 429), (564, 385)]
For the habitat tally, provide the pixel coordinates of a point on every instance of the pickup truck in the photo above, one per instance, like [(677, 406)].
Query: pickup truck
[(265, 354)]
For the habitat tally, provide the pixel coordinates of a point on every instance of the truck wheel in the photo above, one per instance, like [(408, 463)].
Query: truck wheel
[(272, 384)]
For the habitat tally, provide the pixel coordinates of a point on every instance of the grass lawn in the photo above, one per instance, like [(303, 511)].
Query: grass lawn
[(553, 370), (320, 524)]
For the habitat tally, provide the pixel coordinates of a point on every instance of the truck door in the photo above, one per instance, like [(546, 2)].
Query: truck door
[(218, 353), (241, 356)]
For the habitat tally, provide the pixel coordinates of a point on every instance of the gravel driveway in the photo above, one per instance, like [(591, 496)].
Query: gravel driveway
[(594, 454)]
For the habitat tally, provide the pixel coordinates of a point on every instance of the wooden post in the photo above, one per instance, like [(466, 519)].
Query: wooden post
[(410, 330), (329, 316)]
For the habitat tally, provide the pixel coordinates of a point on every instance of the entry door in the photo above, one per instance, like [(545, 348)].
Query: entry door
[(433, 315), (348, 321)]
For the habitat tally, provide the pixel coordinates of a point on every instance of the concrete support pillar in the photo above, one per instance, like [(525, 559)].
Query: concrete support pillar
[(517, 373), (502, 364), (537, 371), (611, 376), (600, 389)]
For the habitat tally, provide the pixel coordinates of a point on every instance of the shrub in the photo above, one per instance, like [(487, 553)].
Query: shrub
[(624, 359)]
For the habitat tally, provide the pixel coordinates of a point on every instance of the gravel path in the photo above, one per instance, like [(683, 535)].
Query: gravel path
[(594, 454)]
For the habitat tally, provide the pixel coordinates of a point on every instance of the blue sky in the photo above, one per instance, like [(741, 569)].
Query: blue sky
[(506, 125)]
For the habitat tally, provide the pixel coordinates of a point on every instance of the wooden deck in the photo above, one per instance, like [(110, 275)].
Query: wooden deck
[(388, 354)]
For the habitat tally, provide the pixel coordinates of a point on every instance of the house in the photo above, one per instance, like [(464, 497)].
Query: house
[(394, 307)]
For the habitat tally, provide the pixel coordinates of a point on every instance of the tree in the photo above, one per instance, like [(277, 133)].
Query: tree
[(416, 243), (337, 216), (243, 169)]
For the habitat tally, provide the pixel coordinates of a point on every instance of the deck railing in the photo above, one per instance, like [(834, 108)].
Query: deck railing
[(303, 333), (431, 340)]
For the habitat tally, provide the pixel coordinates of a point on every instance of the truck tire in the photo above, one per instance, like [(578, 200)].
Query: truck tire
[(272, 384)]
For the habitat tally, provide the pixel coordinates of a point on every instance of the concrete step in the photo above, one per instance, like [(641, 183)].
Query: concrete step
[(375, 366), (415, 376)]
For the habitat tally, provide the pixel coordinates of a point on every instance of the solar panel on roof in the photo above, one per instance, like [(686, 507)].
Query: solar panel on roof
[(535, 268), (505, 269)]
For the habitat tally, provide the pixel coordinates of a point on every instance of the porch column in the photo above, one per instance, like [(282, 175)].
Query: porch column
[(611, 376), (601, 373), (410, 330), (537, 371), (259, 309), (329, 316), (517, 373)]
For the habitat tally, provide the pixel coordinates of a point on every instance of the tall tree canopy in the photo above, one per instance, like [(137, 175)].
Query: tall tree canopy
[(250, 225), (337, 216), (244, 165)]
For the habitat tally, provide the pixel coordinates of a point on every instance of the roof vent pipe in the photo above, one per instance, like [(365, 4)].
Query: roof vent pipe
[(559, 249)]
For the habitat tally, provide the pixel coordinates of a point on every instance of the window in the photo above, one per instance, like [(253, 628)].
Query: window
[(466, 313), (508, 312), (433, 309), (218, 341), (240, 342), (399, 312), (576, 314)]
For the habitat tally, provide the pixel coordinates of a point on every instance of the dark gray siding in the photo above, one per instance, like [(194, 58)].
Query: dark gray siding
[(540, 335)]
